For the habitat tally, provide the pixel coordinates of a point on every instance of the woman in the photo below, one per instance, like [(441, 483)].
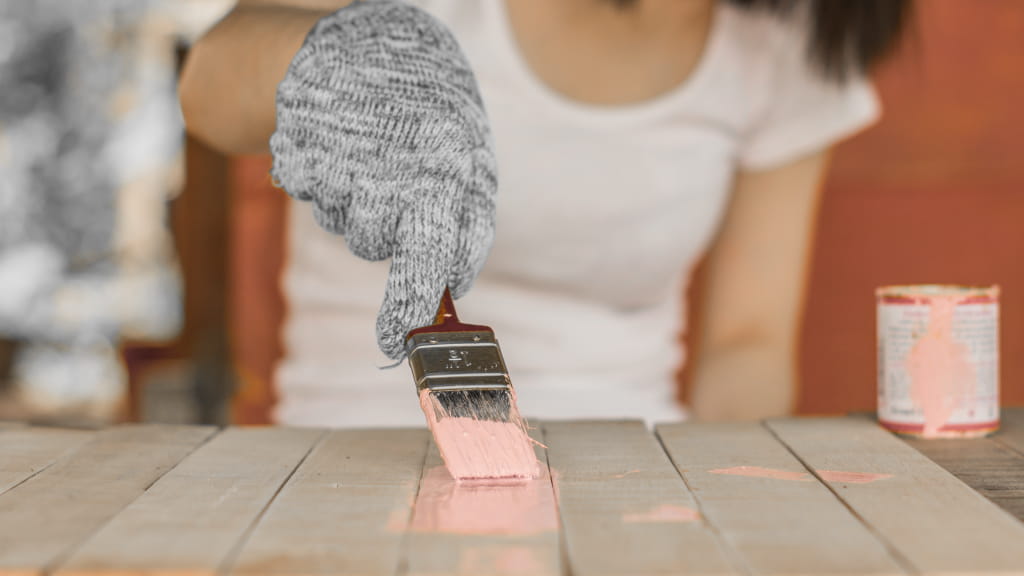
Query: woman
[(632, 136)]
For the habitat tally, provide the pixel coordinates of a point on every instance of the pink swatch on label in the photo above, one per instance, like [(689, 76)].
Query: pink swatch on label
[(851, 477), (480, 449), (941, 375), (759, 472), (513, 507), (664, 513)]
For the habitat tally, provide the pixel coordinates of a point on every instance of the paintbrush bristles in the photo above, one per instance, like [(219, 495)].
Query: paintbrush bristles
[(475, 404), (482, 448)]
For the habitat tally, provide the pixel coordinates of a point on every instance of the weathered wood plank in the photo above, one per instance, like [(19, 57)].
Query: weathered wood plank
[(624, 508), (483, 528), (344, 511), (1011, 432), (192, 519), (47, 517), (24, 452), (937, 524), (991, 468), (768, 507)]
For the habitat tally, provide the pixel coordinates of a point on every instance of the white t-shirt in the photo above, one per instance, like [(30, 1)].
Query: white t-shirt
[(602, 213)]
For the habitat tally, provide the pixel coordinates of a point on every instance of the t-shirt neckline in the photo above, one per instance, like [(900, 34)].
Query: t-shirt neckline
[(508, 48)]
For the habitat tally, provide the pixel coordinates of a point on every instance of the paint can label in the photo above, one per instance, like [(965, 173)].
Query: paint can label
[(938, 360)]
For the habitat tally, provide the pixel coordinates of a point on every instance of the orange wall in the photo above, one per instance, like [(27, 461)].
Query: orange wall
[(933, 194)]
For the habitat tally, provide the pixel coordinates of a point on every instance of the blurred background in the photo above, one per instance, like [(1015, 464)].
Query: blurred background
[(139, 269)]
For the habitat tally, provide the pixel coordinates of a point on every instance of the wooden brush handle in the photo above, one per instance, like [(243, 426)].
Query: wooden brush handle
[(447, 320), (446, 310)]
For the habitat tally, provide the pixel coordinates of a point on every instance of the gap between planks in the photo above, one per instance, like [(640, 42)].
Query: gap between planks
[(344, 511), (194, 518), (1011, 432), (991, 468), (48, 516), (777, 517), (25, 452), (624, 507), (937, 523)]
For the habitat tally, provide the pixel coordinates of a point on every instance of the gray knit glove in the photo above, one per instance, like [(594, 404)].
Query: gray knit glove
[(381, 127)]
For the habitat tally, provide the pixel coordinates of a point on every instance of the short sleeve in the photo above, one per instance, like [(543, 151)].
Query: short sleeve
[(801, 111)]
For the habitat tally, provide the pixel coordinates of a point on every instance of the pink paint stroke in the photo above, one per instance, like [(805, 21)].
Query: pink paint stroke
[(666, 513), (941, 374), (851, 477), (826, 475), (759, 472), (483, 506), (480, 449)]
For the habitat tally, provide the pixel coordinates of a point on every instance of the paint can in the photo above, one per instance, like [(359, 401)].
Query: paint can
[(938, 360)]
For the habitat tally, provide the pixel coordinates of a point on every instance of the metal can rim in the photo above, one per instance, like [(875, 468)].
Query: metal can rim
[(924, 291)]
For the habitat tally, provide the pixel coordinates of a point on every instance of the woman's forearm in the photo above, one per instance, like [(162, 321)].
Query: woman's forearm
[(231, 75), (744, 382)]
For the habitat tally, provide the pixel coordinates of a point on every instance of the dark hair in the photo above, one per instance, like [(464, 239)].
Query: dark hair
[(847, 36)]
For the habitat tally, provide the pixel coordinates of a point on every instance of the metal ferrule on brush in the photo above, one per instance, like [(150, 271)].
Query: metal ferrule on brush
[(447, 361)]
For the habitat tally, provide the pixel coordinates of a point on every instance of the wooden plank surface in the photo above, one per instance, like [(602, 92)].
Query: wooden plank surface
[(483, 528), (768, 507), (192, 519), (77, 503), (989, 467), (1011, 432), (624, 508), (45, 518), (937, 524), (24, 452), (344, 511)]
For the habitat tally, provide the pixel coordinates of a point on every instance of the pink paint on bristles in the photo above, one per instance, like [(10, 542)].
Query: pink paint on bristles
[(481, 449)]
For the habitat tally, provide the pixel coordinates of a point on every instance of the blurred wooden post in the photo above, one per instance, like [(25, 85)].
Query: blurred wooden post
[(256, 304), (199, 222), (199, 225)]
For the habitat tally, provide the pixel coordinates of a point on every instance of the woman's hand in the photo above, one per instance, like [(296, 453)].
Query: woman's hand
[(381, 128)]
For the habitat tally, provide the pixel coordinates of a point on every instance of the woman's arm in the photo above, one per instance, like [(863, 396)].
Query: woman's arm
[(230, 79), (757, 272)]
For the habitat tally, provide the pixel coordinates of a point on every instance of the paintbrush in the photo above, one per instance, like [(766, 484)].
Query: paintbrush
[(468, 399)]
